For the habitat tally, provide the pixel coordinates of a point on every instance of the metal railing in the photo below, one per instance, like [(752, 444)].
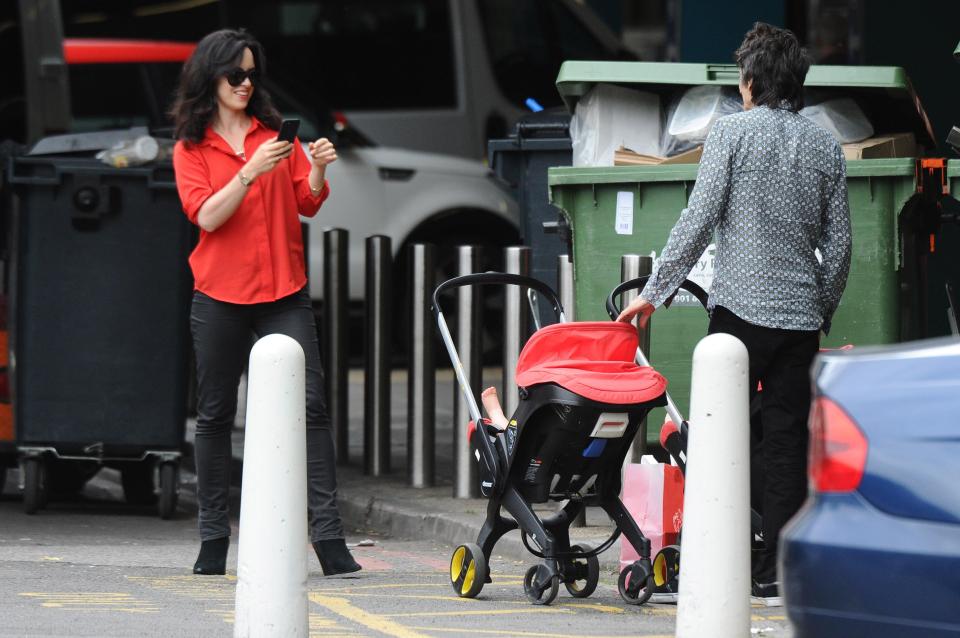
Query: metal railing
[(421, 432)]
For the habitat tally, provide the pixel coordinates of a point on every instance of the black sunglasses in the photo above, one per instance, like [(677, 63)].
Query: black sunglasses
[(236, 76)]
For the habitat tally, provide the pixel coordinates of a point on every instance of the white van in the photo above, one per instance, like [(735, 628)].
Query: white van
[(442, 76)]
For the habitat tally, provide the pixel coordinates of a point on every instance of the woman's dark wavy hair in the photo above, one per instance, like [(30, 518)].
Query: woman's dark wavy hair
[(774, 61), (195, 103)]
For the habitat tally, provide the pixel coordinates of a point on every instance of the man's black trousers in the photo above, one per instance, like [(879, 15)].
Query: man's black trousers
[(780, 361)]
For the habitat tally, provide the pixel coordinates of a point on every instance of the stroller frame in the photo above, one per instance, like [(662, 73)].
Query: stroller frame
[(667, 562), (575, 565)]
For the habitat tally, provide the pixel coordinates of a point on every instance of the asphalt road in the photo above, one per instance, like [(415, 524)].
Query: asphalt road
[(93, 566)]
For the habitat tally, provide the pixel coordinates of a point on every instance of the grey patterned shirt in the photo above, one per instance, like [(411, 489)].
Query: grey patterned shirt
[(773, 186)]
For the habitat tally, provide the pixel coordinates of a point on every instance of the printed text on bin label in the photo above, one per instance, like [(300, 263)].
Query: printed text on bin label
[(624, 224)]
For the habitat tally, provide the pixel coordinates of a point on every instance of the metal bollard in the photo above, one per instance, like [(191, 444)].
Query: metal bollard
[(376, 386), (336, 293), (565, 287), (465, 481), (516, 260), (421, 383), (631, 267)]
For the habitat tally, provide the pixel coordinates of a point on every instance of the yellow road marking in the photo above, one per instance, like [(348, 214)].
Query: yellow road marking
[(607, 609), (389, 586), (207, 588), (226, 615), (342, 607), (482, 612), (93, 601), (525, 634), (53, 558), (342, 591), (407, 596)]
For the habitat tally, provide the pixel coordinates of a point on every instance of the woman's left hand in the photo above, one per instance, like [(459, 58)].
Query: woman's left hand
[(322, 152)]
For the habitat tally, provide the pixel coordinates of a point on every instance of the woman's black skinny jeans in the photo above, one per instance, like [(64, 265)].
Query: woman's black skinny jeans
[(222, 337)]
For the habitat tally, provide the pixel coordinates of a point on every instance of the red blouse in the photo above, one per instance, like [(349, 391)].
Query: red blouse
[(257, 255)]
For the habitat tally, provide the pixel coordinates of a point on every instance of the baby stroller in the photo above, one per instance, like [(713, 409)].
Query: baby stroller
[(582, 400)]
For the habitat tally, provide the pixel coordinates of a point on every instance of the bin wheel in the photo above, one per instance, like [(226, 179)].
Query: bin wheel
[(586, 573), (3, 478), (542, 594), (468, 570), (636, 582), (666, 570), (137, 480), (169, 489), (34, 485)]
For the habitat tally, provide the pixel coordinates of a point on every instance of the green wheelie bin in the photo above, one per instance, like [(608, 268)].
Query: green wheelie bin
[(883, 287)]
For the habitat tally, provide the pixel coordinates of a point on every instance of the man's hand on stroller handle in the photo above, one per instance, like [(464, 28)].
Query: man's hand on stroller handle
[(640, 308)]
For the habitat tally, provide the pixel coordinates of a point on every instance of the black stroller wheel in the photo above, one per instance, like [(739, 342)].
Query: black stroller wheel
[(468, 570), (666, 570), (636, 583), (541, 594), (586, 573)]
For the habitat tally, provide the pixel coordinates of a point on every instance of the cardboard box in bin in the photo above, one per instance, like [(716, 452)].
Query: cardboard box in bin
[(882, 147), (626, 157)]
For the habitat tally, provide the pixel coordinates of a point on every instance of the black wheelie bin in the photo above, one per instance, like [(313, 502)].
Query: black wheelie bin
[(99, 324)]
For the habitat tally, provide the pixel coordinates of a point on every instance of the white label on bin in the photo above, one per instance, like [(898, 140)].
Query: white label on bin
[(624, 225)]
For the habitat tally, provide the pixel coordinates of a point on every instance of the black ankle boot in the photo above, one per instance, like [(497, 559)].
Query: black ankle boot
[(212, 560), (334, 557)]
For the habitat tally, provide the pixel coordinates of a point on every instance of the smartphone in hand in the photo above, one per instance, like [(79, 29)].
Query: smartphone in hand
[(288, 130)]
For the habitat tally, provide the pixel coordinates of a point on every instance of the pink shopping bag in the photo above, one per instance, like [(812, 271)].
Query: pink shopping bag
[(653, 494)]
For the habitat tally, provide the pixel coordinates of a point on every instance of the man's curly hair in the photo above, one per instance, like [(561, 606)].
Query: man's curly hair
[(773, 60)]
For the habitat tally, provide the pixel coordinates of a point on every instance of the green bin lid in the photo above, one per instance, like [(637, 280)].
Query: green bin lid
[(885, 93)]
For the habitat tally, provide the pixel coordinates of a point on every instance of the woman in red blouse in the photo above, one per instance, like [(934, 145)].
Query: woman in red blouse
[(246, 191)]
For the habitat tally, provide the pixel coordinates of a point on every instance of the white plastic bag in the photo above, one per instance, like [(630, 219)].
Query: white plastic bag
[(609, 117), (691, 116), (843, 117)]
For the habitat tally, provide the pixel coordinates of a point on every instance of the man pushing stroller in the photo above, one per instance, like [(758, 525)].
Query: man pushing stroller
[(772, 186)]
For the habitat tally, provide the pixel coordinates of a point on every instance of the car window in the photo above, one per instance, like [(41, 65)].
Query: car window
[(110, 96), (105, 96), (356, 54), (528, 40)]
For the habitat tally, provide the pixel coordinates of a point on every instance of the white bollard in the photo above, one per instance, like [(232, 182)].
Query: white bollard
[(272, 557), (714, 597)]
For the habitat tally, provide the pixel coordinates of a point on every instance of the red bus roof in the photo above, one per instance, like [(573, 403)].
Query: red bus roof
[(113, 51)]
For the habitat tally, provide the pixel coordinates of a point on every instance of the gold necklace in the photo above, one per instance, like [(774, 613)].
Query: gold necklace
[(241, 153)]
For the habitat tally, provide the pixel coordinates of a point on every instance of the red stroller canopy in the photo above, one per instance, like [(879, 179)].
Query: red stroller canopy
[(594, 359)]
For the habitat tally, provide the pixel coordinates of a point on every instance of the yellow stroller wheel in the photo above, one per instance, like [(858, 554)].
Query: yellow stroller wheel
[(666, 569), (468, 570)]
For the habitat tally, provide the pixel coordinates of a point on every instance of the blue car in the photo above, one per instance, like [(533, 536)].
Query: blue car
[(875, 550)]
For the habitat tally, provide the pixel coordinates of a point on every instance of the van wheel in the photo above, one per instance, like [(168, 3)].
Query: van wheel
[(34, 485), (137, 480)]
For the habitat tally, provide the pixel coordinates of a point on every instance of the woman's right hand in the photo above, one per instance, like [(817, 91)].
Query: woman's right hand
[(267, 157)]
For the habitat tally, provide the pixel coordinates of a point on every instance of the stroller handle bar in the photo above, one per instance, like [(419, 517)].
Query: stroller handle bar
[(497, 278), (637, 284), (614, 312), (482, 279)]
